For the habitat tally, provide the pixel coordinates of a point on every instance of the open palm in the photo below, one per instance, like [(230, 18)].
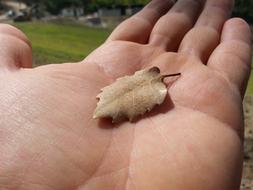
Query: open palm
[(48, 139)]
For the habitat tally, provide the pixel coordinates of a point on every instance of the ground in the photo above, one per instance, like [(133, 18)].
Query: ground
[(247, 182), (56, 43)]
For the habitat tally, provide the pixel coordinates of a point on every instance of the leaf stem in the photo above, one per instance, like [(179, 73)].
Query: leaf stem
[(171, 75)]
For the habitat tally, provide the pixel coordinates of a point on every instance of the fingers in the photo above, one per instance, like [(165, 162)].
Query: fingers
[(205, 35), (232, 58), (170, 29), (15, 49), (138, 27)]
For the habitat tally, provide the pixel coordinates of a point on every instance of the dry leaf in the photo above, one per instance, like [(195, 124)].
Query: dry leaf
[(131, 96)]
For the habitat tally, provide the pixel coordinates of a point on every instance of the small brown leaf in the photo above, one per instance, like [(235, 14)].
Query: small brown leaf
[(131, 96)]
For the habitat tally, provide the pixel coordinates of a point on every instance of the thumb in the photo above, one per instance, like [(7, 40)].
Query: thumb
[(15, 49)]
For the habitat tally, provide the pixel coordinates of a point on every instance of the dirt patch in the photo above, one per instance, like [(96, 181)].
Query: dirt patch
[(247, 181)]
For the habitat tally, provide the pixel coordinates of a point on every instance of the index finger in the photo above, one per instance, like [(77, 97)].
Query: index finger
[(138, 27)]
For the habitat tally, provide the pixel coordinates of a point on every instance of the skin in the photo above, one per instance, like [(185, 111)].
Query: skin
[(48, 139)]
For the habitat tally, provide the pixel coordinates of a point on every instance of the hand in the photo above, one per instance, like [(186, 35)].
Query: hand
[(48, 139)]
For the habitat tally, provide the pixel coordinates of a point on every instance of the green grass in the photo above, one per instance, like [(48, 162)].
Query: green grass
[(57, 43), (250, 85)]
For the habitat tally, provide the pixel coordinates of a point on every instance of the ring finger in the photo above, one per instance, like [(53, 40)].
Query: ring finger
[(204, 37), (170, 29)]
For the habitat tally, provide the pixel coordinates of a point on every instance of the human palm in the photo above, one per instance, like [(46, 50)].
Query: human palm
[(193, 141)]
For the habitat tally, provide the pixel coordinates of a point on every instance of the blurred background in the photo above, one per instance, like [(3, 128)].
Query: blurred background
[(68, 30)]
